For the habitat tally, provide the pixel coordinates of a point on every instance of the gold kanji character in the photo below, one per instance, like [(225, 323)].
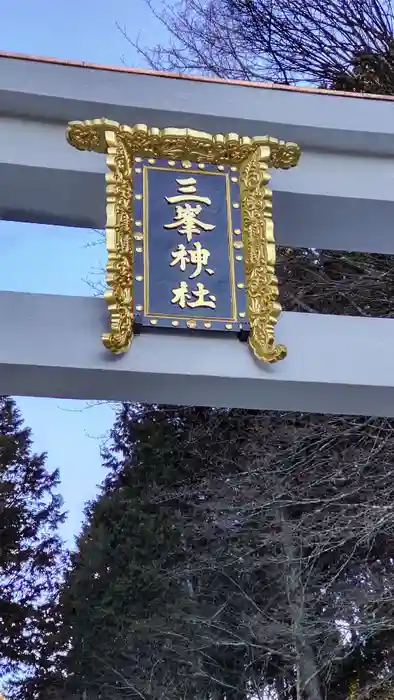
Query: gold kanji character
[(187, 222), (182, 297), (180, 256), (187, 188), (198, 257), (201, 293), (180, 293)]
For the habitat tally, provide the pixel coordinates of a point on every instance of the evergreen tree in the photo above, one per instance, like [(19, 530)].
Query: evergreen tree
[(223, 550), (129, 599), (30, 548)]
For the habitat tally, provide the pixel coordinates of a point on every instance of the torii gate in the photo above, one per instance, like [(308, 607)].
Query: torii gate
[(341, 196)]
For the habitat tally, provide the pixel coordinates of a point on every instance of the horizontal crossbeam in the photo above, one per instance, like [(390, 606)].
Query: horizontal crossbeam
[(330, 200), (51, 347), (55, 92)]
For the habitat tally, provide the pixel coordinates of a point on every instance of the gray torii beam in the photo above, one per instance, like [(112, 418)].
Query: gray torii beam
[(341, 196), (331, 200), (51, 347)]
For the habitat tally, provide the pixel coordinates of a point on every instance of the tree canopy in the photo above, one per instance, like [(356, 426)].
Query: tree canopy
[(233, 553), (30, 547), (342, 44)]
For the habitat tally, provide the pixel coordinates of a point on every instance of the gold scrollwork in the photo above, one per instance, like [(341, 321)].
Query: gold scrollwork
[(253, 156), (181, 144), (118, 294), (260, 254)]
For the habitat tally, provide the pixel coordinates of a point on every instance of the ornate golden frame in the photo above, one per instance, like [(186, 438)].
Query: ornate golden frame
[(253, 157)]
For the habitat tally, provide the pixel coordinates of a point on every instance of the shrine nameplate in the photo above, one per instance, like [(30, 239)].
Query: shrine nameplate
[(190, 235), (188, 251)]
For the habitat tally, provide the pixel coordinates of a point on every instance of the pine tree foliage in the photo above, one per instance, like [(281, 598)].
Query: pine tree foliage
[(235, 553), (30, 548)]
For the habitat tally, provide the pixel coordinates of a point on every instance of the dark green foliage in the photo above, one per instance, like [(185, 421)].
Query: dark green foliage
[(127, 599), (218, 554), (371, 71), (30, 549)]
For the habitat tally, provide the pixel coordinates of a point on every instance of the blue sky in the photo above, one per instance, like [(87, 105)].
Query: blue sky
[(55, 260)]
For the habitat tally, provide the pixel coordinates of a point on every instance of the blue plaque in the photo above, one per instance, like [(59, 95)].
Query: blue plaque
[(188, 253)]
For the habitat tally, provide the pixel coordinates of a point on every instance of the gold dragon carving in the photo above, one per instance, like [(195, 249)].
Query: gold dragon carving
[(253, 156)]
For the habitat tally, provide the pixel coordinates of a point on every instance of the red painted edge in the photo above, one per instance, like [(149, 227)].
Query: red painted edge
[(201, 79)]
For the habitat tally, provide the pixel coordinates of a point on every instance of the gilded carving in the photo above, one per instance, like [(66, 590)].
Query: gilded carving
[(261, 283), (253, 156), (118, 294), (181, 144), (85, 139)]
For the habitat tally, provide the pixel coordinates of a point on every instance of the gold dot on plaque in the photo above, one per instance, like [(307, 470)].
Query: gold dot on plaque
[(233, 169), (139, 196), (153, 321), (138, 159), (238, 244), (191, 324), (239, 257), (139, 223), (138, 237), (207, 325), (139, 249), (186, 164), (171, 162), (139, 278), (138, 170), (220, 167), (241, 314), (175, 323), (236, 205), (201, 166), (240, 285), (229, 326), (237, 231), (151, 160), (234, 179), (139, 307)]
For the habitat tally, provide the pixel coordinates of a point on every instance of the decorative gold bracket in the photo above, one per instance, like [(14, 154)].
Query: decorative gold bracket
[(253, 156)]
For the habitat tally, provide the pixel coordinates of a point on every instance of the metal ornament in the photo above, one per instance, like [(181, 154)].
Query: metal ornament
[(199, 254)]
